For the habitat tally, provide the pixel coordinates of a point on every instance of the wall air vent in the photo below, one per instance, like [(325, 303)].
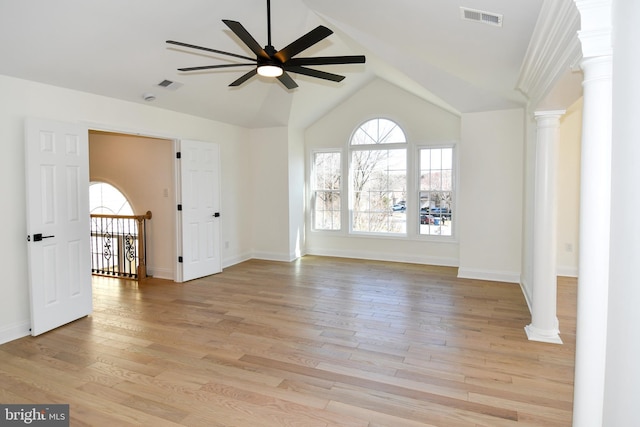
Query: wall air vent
[(494, 19), (169, 84)]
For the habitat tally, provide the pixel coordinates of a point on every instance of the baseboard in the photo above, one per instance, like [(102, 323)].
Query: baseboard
[(493, 275), (15, 331), (228, 262), (270, 256), (567, 271), (377, 256), (524, 286), (161, 273)]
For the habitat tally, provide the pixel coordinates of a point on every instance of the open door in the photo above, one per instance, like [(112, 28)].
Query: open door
[(200, 209), (57, 178)]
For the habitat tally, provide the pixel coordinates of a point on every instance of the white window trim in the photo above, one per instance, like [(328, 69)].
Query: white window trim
[(311, 189), (366, 147), (413, 170), (453, 238)]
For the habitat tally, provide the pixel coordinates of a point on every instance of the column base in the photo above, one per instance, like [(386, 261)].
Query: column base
[(542, 335)]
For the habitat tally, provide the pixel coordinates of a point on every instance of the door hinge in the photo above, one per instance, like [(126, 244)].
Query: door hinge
[(179, 207), (179, 259), (178, 155)]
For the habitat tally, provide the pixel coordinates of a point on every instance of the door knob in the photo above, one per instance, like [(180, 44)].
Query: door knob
[(38, 237)]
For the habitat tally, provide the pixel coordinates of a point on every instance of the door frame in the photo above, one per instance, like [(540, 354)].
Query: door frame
[(175, 142)]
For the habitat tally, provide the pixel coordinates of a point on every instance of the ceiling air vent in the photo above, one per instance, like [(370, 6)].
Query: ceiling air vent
[(494, 19), (169, 84)]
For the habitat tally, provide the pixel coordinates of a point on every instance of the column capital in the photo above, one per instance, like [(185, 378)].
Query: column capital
[(596, 28), (548, 113), (548, 118)]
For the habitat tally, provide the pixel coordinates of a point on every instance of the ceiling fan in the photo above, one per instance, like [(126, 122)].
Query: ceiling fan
[(275, 63)]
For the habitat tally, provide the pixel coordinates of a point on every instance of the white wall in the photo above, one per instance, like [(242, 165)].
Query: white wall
[(297, 196), (21, 99), (423, 123), (491, 195), (526, 279), (570, 137), (269, 197)]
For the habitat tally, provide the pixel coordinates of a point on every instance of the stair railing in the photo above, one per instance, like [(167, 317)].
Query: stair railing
[(118, 245)]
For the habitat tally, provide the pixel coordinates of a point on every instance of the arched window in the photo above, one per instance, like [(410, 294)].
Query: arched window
[(108, 200), (378, 178), (378, 131), (382, 199)]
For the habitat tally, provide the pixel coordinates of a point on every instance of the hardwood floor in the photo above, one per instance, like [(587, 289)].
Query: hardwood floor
[(317, 342)]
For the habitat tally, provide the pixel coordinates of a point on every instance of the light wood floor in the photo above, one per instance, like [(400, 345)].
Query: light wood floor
[(317, 342)]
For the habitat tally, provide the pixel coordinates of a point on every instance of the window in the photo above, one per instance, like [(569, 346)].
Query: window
[(384, 185), (106, 199), (436, 190), (326, 181), (378, 178)]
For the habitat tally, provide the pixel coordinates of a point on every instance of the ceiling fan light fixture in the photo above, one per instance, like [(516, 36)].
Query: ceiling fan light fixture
[(269, 70)]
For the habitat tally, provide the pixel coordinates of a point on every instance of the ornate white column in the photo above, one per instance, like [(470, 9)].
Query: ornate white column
[(544, 322), (595, 212)]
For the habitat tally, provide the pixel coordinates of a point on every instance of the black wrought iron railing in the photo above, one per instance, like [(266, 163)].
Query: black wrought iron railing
[(118, 245)]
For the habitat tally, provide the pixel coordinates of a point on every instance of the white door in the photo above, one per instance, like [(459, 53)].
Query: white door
[(200, 200), (57, 177)]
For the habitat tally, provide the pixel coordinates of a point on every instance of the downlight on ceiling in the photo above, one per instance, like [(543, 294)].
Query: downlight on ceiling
[(494, 19)]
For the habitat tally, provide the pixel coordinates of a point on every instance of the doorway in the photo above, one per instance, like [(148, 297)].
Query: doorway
[(143, 169)]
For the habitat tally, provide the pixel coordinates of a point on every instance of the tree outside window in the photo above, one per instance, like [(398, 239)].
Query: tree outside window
[(326, 198), (378, 177), (436, 191)]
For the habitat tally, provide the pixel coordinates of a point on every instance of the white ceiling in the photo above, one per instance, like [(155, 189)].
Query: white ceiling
[(117, 48)]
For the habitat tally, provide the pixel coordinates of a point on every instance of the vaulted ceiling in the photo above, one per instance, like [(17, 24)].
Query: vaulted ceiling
[(117, 48)]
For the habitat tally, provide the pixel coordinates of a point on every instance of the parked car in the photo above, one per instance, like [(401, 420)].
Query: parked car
[(440, 211), (427, 219), (399, 207)]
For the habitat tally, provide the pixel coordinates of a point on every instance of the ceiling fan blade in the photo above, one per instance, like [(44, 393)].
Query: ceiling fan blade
[(245, 77), (328, 60), (211, 67), (286, 80), (314, 73), (304, 42), (246, 38), (192, 46)]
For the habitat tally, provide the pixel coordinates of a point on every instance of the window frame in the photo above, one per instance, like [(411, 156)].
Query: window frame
[(389, 146), (412, 201), (454, 190), (313, 189)]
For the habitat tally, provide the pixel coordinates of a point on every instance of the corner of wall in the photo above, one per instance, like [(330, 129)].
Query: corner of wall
[(14, 331)]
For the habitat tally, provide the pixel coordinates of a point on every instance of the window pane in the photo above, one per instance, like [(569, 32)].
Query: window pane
[(436, 159), (379, 181), (378, 131), (436, 191), (327, 210), (107, 200), (447, 158), (326, 191)]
